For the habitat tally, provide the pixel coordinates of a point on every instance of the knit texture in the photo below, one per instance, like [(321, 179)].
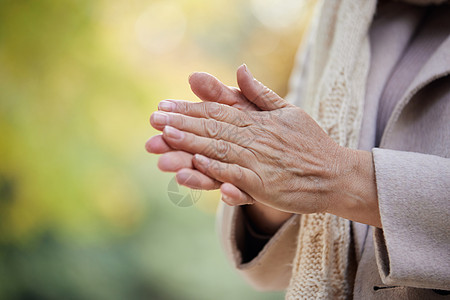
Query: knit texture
[(335, 91)]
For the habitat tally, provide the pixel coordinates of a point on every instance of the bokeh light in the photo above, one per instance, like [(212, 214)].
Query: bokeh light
[(84, 211), (280, 15), (161, 27)]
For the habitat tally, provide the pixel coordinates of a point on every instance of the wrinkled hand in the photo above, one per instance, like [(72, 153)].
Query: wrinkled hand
[(273, 152), (279, 156), (208, 89)]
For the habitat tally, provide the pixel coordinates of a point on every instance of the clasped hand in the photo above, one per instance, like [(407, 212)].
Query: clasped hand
[(272, 152)]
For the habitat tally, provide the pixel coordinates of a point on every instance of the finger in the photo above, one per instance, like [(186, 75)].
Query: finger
[(233, 196), (202, 127), (174, 161), (209, 88), (181, 162), (157, 145), (196, 180), (241, 177), (217, 149), (206, 110), (263, 97)]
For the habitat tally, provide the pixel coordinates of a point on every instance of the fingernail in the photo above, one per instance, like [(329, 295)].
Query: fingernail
[(247, 70), (201, 159), (166, 105), (160, 118), (173, 133), (226, 199)]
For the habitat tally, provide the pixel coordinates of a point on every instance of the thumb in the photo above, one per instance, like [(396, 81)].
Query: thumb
[(209, 88), (258, 93)]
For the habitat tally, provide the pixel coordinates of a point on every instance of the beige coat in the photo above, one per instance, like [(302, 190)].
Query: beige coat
[(410, 257)]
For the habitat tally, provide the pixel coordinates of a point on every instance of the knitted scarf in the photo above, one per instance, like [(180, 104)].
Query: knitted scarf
[(337, 66)]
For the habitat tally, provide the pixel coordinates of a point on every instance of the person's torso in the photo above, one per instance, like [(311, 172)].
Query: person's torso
[(407, 108)]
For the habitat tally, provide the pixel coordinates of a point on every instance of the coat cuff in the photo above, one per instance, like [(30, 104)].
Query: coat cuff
[(271, 268), (412, 249)]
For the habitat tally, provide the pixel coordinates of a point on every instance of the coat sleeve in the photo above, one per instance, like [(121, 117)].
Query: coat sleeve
[(413, 248), (270, 268)]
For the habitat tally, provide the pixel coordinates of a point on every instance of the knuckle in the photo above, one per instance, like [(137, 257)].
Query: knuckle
[(183, 107), (222, 150), (237, 174), (264, 95), (267, 96), (214, 110), (211, 128), (218, 111)]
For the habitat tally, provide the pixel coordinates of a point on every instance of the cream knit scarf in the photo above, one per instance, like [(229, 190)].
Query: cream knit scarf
[(337, 71), (337, 67)]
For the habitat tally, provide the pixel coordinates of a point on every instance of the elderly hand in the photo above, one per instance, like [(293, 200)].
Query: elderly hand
[(209, 89), (279, 156)]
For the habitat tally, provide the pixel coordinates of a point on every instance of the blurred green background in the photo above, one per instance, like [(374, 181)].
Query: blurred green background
[(84, 211)]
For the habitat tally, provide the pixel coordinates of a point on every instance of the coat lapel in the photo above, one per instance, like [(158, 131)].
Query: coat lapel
[(436, 67)]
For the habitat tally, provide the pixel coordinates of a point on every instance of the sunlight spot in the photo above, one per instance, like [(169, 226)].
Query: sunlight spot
[(276, 14), (161, 27)]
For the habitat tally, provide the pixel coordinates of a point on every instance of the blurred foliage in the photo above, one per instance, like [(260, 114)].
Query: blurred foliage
[(84, 212)]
